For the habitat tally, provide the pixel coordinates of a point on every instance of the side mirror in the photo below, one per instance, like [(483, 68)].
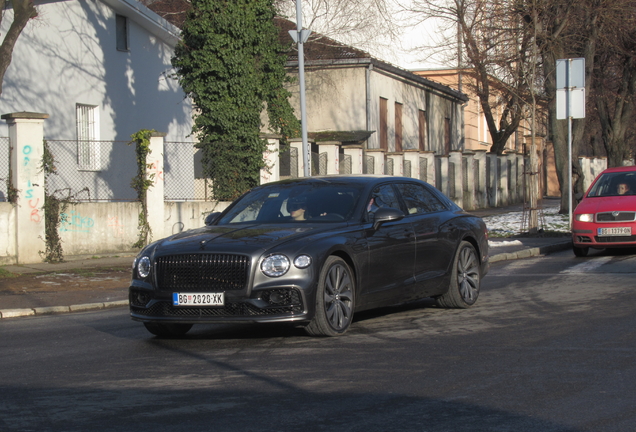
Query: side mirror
[(386, 214), (211, 218)]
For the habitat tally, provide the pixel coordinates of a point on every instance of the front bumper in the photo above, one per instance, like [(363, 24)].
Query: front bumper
[(278, 304), (586, 238)]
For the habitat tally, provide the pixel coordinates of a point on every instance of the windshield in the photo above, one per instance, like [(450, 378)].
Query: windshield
[(295, 202), (614, 184)]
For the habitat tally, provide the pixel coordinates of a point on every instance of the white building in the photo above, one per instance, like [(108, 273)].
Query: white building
[(101, 70)]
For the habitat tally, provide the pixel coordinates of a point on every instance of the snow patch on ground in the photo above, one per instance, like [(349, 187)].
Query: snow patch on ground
[(504, 243), (507, 224)]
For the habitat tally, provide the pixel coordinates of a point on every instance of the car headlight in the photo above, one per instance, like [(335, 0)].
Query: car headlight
[(584, 217), (302, 261), (275, 265), (143, 267)]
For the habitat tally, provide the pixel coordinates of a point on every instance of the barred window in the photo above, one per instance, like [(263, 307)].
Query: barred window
[(87, 137)]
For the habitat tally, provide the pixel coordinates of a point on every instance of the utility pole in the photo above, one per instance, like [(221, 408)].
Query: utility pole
[(300, 36), (533, 222), (570, 100)]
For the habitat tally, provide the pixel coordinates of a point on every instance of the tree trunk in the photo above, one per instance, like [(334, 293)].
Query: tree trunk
[(616, 115), (23, 11)]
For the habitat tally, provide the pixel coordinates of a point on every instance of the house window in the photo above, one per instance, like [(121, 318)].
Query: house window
[(398, 127), (122, 33), (423, 128), (384, 135), (447, 136), (87, 137)]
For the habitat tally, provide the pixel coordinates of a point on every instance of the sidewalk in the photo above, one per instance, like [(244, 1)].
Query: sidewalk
[(89, 283)]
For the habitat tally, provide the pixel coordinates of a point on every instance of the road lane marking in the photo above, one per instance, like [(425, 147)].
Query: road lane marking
[(588, 266)]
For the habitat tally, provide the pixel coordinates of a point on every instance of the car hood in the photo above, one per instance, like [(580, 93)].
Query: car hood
[(232, 239), (607, 204)]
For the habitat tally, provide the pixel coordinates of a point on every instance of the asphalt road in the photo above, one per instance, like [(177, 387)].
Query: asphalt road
[(550, 346)]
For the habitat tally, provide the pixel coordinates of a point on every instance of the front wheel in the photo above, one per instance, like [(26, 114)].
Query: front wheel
[(465, 279), (168, 330), (335, 299)]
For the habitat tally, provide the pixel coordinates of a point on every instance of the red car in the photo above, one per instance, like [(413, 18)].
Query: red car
[(606, 217)]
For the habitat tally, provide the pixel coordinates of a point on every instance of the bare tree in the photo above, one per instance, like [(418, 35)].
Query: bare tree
[(365, 24), (565, 29), (615, 78), (493, 45), (23, 11), (496, 37)]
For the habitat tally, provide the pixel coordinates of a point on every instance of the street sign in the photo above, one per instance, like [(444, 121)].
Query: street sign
[(576, 73), (570, 81), (576, 106)]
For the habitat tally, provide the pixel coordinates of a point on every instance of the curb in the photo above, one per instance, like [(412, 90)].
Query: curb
[(527, 253), (50, 310)]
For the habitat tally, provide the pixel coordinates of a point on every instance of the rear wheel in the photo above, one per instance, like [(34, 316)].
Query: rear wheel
[(334, 299), (465, 279), (580, 251), (168, 330)]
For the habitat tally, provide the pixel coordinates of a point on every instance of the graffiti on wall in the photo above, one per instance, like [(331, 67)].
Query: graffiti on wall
[(75, 222), (116, 227), (31, 169)]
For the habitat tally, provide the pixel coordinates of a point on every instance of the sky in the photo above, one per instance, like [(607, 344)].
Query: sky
[(409, 49)]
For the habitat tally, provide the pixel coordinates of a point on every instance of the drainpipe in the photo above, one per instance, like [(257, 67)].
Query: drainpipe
[(368, 71)]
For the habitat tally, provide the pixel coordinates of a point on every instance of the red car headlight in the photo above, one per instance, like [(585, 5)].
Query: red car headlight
[(584, 217)]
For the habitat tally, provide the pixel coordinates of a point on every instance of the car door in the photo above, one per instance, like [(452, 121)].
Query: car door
[(433, 251), (391, 249)]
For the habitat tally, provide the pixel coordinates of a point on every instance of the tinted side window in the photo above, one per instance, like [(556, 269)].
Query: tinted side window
[(382, 196), (419, 200)]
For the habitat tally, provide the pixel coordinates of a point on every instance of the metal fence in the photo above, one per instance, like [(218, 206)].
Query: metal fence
[(103, 171), (183, 173), (369, 165), (345, 164), (92, 170)]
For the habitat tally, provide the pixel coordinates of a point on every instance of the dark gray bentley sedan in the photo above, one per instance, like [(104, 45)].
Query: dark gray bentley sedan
[(311, 252)]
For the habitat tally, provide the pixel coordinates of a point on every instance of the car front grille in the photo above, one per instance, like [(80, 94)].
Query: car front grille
[(202, 272), (616, 217), (615, 239)]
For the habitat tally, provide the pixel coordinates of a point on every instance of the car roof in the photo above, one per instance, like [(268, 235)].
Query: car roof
[(362, 179), (620, 169)]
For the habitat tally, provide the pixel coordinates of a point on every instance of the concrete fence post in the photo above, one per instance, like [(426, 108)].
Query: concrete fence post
[(332, 149), (378, 160), (456, 178), (441, 175), (356, 153), (398, 163), (481, 193), (492, 179), (412, 163), (469, 187), (26, 137), (155, 193)]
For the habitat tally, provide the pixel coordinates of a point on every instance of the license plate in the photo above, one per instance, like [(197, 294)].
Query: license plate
[(618, 231), (198, 299)]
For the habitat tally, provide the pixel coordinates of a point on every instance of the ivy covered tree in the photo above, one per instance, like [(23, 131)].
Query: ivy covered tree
[(231, 64)]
